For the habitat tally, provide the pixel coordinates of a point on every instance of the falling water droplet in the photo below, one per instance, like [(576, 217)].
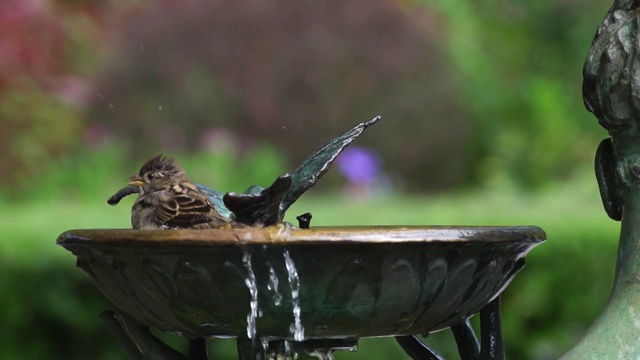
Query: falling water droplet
[(250, 281), (287, 349), (294, 282), (272, 285)]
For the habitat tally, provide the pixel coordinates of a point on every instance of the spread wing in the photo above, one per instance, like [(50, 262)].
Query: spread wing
[(310, 171)]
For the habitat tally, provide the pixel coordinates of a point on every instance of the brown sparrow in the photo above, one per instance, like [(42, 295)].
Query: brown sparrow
[(168, 200)]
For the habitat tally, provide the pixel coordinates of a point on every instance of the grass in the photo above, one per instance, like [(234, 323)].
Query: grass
[(546, 309)]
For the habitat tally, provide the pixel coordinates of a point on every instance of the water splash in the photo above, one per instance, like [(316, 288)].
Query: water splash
[(294, 282), (250, 281), (272, 285)]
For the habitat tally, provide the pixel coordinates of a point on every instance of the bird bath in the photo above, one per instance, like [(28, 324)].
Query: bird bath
[(281, 290), (281, 287)]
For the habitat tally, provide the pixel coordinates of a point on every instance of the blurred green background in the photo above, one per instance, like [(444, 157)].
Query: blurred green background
[(483, 124)]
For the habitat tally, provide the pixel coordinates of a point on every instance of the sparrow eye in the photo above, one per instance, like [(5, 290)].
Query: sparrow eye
[(152, 176)]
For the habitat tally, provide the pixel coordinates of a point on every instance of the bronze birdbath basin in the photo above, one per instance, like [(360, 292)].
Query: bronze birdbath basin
[(286, 284)]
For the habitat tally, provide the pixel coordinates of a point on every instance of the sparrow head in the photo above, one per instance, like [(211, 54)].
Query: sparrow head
[(158, 173)]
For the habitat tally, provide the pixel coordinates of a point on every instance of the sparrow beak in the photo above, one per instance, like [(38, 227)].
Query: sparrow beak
[(136, 180)]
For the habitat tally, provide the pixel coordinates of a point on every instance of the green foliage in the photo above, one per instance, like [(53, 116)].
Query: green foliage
[(99, 173), (85, 174), (229, 171), (46, 307), (45, 49), (519, 69), (36, 127)]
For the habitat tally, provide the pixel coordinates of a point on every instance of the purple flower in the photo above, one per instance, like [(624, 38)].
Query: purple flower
[(359, 165)]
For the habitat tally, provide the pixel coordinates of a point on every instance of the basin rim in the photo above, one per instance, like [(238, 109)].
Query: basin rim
[(285, 234)]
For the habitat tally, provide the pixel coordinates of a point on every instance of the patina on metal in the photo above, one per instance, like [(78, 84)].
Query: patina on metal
[(353, 281), (611, 91)]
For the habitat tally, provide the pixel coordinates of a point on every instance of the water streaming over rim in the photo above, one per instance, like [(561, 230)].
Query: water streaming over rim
[(250, 281), (272, 285), (288, 351), (297, 330), (265, 344)]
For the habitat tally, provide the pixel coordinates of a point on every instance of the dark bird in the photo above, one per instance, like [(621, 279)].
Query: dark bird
[(168, 200)]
